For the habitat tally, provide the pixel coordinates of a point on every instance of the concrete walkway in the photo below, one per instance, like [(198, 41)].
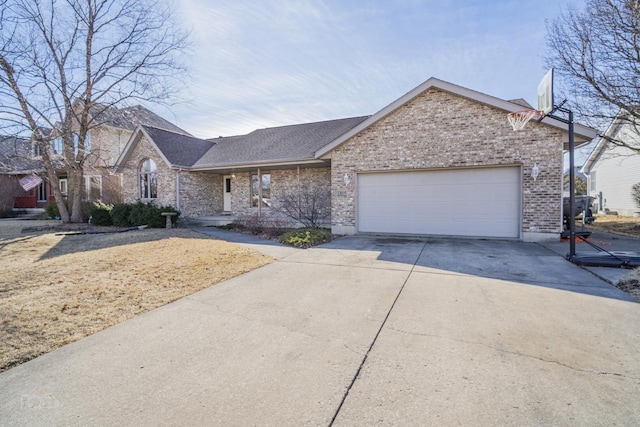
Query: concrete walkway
[(361, 331)]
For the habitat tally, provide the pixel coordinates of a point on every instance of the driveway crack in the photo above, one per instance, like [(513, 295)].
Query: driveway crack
[(375, 338), (517, 353)]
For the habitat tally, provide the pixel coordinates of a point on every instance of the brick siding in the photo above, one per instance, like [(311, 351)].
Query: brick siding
[(166, 176), (288, 180), (438, 129)]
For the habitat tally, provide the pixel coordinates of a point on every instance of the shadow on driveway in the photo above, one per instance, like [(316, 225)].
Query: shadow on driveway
[(521, 262)]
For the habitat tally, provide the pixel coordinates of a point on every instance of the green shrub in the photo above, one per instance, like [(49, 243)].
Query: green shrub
[(305, 238), (52, 210), (120, 215), (101, 213), (149, 214)]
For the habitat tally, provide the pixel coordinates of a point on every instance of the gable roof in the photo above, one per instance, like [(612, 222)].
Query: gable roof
[(601, 145), (282, 144), (178, 149), (582, 133), (130, 117)]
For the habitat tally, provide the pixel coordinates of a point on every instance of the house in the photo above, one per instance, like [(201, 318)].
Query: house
[(612, 170), (110, 129), (440, 160), (17, 161)]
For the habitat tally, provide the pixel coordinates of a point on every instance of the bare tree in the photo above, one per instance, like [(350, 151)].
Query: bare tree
[(63, 62), (309, 204), (596, 52)]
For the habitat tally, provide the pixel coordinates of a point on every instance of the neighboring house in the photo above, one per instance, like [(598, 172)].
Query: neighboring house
[(440, 160), (17, 161), (111, 128), (612, 170), (580, 181)]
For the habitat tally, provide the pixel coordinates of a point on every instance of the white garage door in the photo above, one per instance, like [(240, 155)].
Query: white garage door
[(454, 202)]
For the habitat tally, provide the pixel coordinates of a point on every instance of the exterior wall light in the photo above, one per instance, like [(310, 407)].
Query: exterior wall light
[(535, 171)]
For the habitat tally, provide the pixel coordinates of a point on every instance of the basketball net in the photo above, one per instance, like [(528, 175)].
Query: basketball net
[(519, 119)]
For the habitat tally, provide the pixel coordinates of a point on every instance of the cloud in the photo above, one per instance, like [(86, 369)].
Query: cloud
[(259, 64)]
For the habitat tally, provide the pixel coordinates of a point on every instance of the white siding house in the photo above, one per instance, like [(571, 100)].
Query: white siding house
[(612, 170)]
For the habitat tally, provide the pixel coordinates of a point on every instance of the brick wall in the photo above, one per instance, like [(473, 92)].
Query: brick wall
[(200, 194), (166, 176), (440, 130), (288, 180)]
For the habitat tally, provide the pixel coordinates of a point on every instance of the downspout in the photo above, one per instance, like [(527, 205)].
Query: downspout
[(178, 189), (298, 178), (259, 194)]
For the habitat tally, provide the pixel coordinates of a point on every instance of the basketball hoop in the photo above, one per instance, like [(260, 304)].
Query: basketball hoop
[(519, 119)]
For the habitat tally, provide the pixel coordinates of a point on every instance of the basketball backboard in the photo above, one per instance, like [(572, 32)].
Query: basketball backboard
[(545, 93)]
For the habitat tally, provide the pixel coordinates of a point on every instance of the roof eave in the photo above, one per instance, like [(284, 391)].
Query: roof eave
[(133, 139), (601, 145), (239, 167), (582, 133)]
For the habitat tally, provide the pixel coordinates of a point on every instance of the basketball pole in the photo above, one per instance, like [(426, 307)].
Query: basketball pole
[(572, 184)]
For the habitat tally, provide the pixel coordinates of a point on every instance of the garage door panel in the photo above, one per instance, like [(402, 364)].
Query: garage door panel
[(462, 202)]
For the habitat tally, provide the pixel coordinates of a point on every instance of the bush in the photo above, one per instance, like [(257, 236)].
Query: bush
[(635, 193), (52, 210), (149, 214), (305, 238), (101, 213), (252, 223), (120, 215)]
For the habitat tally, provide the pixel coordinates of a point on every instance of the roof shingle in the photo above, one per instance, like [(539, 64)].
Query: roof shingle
[(284, 143), (179, 149)]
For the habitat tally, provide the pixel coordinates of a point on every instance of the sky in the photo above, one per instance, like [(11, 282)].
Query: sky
[(257, 64)]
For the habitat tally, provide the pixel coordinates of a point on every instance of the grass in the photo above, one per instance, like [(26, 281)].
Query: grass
[(629, 226), (56, 289)]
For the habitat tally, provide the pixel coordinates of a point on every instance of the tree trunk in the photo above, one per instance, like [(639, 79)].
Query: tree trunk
[(76, 202)]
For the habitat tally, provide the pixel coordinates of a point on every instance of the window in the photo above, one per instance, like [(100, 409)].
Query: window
[(261, 192), (148, 180), (87, 144), (36, 150), (93, 187), (57, 146), (42, 192), (64, 184), (592, 177)]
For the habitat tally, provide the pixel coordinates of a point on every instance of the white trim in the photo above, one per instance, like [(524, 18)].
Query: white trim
[(134, 139), (601, 145)]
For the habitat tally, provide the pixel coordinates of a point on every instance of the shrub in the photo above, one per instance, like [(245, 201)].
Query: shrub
[(101, 213), (149, 214), (305, 238), (120, 215), (52, 210), (252, 223), (635, 193)]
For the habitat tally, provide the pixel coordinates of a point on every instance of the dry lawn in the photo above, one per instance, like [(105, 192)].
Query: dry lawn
[(626, 225), (56, 289)]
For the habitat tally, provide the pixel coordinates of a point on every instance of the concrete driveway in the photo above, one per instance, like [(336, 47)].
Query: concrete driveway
[(361, 331)]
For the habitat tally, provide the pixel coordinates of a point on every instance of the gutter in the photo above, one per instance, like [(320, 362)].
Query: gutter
[(254, 165)]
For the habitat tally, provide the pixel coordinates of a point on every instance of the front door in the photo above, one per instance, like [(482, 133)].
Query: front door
[(227, 194)]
